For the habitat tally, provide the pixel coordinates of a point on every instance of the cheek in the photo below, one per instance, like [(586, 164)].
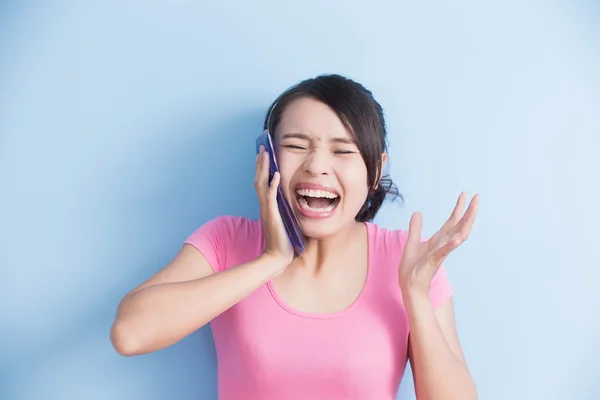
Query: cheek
[(355, 181), (288, 166)]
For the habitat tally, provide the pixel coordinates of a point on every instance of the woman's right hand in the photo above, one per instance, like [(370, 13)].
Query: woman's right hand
[(278, 246)]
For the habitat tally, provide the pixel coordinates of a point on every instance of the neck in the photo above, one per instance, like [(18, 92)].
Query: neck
[(320, 252)]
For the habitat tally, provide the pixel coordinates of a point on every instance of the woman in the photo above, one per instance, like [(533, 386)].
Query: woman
[(332, 323)]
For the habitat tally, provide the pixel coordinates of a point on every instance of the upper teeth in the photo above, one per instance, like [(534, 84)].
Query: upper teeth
[(316, 193)]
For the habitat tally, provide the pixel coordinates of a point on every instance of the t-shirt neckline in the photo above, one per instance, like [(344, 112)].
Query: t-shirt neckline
[(311, 315)]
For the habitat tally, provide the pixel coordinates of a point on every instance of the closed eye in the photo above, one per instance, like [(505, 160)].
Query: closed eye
[(343, 152), (296, 147)]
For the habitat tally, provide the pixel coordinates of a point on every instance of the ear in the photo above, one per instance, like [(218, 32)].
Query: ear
[(380, 169)]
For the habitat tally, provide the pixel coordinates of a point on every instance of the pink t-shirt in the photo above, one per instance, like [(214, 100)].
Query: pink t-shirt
[(266, 350)]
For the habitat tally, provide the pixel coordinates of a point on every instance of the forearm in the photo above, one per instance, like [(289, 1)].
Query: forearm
[(161, 315), (438, 372)]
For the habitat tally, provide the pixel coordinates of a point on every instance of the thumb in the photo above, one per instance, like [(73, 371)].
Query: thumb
[(414, 228)]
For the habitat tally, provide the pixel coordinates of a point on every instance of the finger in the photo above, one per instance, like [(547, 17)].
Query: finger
[(447, 230), (272, 196), (273, 186), (414, 228), (437, 257), (258, 156), (264, 173), (258, 168), (456, 213), (463, 228)]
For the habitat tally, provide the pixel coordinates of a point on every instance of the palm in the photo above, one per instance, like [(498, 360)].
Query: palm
[(421, 259)]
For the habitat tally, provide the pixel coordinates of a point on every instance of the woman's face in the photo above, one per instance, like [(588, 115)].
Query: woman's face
[(323, 175)]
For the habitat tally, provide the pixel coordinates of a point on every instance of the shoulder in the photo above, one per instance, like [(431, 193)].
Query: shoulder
[(237, 224), (387, 241), (228, 228), (226, 238), (389, 245)]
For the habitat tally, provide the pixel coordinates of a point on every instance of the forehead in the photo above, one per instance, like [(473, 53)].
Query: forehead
[(313, 118)]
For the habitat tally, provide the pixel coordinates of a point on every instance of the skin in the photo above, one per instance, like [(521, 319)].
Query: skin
[(439, 367), (314, 146)]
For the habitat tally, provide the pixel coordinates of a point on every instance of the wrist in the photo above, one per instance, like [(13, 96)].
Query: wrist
[(415, 299), (272, 264)]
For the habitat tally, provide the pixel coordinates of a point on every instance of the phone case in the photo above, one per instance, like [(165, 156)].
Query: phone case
[(295, 235)]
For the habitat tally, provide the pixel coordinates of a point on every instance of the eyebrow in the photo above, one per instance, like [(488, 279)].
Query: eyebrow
[(304, 136)]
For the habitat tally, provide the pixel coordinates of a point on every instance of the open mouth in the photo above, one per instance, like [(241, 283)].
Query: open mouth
[(317, 201)]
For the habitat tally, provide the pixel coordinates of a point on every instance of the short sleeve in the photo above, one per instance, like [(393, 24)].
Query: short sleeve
[(210, 240), (440, 289)]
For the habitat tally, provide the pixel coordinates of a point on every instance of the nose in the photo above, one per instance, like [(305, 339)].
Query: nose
[(317, 163)]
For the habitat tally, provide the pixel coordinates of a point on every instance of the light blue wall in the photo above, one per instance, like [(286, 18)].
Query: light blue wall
[(126, 125)]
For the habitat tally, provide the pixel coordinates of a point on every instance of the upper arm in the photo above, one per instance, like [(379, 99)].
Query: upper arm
[(201, 254), (188, 264)]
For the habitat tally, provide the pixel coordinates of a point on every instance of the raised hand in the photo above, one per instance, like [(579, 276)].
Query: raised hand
[(421, 260), (277, 242)]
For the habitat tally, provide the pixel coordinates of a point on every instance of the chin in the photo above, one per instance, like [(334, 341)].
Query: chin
[(323, 228), (319, 231)]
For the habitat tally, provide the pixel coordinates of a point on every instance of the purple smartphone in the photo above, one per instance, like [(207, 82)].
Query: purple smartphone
[(297, 239)]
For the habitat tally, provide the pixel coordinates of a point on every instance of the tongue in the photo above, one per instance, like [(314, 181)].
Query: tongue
[(318, 202)]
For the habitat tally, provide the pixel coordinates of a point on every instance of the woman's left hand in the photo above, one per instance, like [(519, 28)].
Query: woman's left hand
[(421, 260)]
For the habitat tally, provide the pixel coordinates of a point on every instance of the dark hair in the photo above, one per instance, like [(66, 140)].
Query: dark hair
[(361, 115)]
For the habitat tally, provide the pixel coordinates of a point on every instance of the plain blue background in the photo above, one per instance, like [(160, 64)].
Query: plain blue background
[(126, 125)]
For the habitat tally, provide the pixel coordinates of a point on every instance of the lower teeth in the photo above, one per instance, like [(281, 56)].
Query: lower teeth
[(304, 204)]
